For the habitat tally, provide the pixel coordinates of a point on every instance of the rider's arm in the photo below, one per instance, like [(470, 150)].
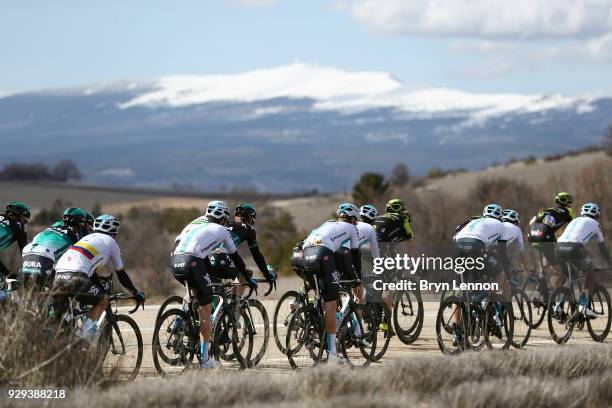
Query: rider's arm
[(229, 245), (605, 254), (258, 257), (356, 256), (374, 244), (125, 281), (408, 228), (21, 236)]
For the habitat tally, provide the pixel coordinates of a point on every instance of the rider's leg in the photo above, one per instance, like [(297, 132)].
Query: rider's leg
[(95, 312), (205, 330), (330, 325)]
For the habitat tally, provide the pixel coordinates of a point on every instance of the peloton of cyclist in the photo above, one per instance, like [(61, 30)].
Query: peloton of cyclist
[(571, 248), (191, 263), (40, 255), (321, 248), (76, 273)]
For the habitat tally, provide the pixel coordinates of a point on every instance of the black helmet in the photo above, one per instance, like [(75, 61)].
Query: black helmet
[(245, 210), (17, 208)]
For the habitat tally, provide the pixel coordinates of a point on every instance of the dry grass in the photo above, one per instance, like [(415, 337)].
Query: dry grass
[(576, 376)]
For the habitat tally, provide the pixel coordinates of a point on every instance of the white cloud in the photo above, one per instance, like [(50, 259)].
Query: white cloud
[(252, 3), (517, 19)]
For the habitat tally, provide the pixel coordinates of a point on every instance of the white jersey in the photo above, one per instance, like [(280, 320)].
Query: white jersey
[(487, 230), (333, 235), (202, 239), (514, 237), (582, 229), (92, 252), (367, 239)]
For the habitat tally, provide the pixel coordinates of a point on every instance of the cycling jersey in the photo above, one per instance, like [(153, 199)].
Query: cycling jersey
[(367, 239), (513, 236), (92, 252), (554, 217), (392, 227), (241, 232), (192, 225), (202, 239), (11, 230), (333, 235), (52, 242), (487, 230), (582, 230)]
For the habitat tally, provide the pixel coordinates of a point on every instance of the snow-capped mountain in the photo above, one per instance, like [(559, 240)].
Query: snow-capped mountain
[(289, 128)]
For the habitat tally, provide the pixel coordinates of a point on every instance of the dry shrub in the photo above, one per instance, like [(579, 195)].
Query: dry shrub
[(594, 184)]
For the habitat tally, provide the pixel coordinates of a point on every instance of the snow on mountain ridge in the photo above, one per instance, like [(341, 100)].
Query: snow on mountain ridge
[(335, 89)]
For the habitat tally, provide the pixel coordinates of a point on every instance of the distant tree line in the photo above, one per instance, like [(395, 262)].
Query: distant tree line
[(63, 170)]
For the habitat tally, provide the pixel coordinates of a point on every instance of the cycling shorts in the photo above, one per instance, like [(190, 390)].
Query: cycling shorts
[(36, 270), (222, 266), (542, 237), (195, 271), (474, 248), (320, 265), (77, 285), (575, 254)]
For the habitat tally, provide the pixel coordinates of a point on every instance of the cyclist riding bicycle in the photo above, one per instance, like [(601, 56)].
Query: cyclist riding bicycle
[(571, 248), (392, 227), (40, 255), (514, 237), (320, 264), (191, 263), (486, 238), (77, 273), (241, 230), (368, 243), (12, 229), (545, 224)]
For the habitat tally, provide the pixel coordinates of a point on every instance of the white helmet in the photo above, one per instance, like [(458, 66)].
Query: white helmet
[(511, 216), (218, 210), (347, 210), (590, 209), (368, 212), (493, 211), (106, 223)]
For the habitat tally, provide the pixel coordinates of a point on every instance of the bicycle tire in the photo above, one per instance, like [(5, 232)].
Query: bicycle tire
[(280, 343), (555, 316), (600, 292), (507, 320), (522, 313), (310, 330), (444, 327), (107, 331), (168, 301), (257, 355), (349, 337), (184, 331), (410, 334), (226, 335), (383, 317)]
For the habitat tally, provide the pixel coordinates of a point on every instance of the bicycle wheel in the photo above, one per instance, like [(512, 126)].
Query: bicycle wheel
[(599, 327), (538, 301), (561, 308), (304, 343), (177, 300), (284, 310), (498, 323), (260, 329), (521, 308), (383, 334), (174, 342), (451, 326), (356, 336), (408, 315), (121, 339), (228, 339)]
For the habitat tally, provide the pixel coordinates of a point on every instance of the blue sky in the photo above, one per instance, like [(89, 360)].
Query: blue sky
[(472, 45)]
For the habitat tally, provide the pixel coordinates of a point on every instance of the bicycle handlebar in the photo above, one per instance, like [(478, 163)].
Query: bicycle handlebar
[(122, 296)]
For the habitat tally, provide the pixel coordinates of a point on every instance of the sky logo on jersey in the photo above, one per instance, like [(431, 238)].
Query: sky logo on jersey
[(85, 249)]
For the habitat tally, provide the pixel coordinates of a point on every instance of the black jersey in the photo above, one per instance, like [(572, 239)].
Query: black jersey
[(391, 227), (242, 232), (554, 217)]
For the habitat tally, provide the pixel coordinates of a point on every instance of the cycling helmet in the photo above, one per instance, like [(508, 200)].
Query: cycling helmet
[(493, 211), (245, 210), (591, 210), (564, 198), (510, 216), (18, 208), (217, 210), (74, 216), (347, 210), (368, 212), (107, 224), (396, 206)]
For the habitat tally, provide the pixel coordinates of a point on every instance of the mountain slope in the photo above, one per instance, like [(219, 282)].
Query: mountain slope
[(289, 128)]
